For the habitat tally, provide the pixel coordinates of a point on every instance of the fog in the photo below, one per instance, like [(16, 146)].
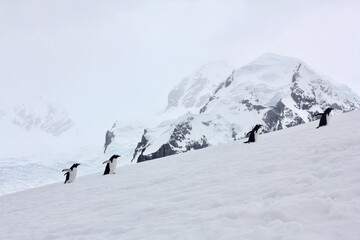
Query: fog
[(109, 60)]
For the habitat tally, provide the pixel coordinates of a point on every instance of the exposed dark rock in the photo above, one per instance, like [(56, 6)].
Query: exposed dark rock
[(168, 150), (227, 83), (296, 120), (219, 87), (173, 145), (203, 109), (195, 145), (207, 123), (229, 80), (296, 74), (164, 150), (180, 131), (251, 106), (274, 116), (302, 101), (336, 106), (141, 146), (234, 134), (108, 139)]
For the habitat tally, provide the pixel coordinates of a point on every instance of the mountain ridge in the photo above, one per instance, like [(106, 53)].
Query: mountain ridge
[(276, 91)]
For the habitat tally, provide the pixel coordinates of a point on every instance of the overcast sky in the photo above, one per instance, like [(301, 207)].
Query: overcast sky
[(107, 60)]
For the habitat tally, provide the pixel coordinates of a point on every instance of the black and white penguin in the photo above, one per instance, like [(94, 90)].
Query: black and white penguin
[(71, 173), (111, 165), (324, 120), (252, 135)]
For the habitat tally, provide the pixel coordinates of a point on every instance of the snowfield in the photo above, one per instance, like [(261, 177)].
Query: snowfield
[(298, 183)]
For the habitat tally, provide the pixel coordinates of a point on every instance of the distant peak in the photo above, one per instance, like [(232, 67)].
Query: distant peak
[(215, 64), (212, 70), (273, 57)]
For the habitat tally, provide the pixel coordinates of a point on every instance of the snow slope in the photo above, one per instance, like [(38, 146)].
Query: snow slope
[(297, 183)]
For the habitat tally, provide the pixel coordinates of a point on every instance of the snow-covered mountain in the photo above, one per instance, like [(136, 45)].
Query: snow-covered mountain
[(275, 91), (282, 91), (122, 139), (190, 94), (297, 183), (279, 92), (36, 114), (38, 139)]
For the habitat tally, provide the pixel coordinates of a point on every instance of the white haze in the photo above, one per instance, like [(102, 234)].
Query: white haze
[(116, 60)]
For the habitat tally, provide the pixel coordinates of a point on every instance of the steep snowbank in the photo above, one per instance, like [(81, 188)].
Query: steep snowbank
[(297, 183)]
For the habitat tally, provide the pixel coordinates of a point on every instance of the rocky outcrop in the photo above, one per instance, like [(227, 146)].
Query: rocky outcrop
[(164, 150), (178, 141), (140, 148), (273, 117), (108, 139), (250, 106)]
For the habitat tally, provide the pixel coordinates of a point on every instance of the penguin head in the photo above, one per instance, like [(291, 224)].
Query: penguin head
[(115, 156), (75, 164), (257, 127), (328, 110)]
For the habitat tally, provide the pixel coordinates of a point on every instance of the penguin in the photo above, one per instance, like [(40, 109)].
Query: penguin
[(252, 135), (111, 165), (324, 120), (71, 173)]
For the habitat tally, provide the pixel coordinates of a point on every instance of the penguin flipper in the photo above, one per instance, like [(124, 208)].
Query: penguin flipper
[(67, 177), (107, 169)]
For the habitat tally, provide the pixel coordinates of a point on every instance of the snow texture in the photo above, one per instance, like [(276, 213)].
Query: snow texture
[(297, 183)]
